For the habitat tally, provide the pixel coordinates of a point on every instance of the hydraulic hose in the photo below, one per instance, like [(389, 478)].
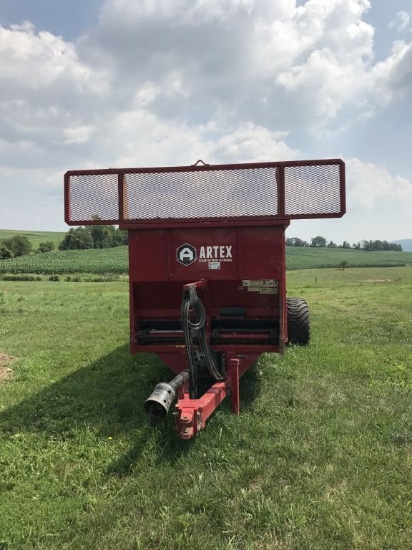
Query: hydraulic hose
[(193, 319)]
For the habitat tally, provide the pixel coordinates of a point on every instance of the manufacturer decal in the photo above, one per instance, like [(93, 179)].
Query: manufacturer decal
[(218, 253), (186, 254)]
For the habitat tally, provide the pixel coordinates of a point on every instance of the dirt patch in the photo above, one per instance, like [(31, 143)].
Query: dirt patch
[(5, 371)]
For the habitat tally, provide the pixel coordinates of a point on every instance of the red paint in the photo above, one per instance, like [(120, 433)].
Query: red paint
[(232, 260)]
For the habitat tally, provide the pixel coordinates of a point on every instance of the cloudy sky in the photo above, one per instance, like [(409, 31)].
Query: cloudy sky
[(125, 83)]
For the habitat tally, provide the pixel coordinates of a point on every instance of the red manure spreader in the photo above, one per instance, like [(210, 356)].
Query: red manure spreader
[(207, 270)]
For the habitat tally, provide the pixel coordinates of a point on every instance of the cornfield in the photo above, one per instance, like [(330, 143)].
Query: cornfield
[(96, 261), (115, 261)]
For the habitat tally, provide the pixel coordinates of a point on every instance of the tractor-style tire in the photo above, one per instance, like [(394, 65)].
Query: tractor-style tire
[(298, 321)]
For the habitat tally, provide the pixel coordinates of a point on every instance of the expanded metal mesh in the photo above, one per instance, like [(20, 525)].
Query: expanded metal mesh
[(274, 190), (314, 191), (94, 197), (205, 194)]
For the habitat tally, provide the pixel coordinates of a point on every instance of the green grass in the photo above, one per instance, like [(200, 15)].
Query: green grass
[(35, 237), (308, 257), (115, 260), (319, 458)]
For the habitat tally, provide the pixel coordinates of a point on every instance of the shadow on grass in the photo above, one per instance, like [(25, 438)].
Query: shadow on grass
[(169, 447), (108, 396)]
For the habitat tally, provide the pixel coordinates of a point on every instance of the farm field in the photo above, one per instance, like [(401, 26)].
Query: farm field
[(319, 458), (115, 260), (308, 257), (96, 261), (35, 237)]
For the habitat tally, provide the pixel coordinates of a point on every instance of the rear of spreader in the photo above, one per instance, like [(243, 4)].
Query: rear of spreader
[(206, 264)]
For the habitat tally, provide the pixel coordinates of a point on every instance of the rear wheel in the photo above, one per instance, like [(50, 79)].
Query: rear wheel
[(298, 321)]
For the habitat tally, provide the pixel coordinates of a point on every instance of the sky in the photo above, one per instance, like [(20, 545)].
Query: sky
[(139, 83)]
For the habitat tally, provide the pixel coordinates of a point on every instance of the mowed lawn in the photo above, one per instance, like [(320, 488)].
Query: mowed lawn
[(320, 457)]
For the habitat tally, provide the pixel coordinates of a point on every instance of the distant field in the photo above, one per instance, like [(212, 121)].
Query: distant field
[(115, 260), (36, 237), (94, 261), (307, 257)]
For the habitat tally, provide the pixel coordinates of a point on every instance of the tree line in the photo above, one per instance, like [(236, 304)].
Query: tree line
[(320, 242), (92, 236), (108, 236), (19, 245)]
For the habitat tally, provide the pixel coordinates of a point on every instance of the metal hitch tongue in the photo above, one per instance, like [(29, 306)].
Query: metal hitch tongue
[(158, 404)]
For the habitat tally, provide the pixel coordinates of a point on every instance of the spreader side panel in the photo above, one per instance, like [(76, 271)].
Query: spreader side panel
[(214, 193)]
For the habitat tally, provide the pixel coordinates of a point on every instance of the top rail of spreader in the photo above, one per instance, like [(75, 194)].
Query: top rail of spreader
[(206, 192)]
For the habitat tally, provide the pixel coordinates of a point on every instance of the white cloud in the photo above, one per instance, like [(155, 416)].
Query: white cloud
[(401, 21), (161, 83), (77, 134), (392, 78), (37, 61), (370, 185), (272, 63), (250, 143)]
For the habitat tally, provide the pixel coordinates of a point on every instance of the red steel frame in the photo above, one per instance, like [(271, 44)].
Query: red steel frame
[(122, 173), (192, 413), (157, 280)]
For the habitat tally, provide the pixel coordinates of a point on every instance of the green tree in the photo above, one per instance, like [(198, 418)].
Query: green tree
[(77, 239), (107, 236), (120, 237), (380, 245), (295, 241), (5, 252), (318, 242), (47, 246), (101, 236), (19, 245), (94, 236)]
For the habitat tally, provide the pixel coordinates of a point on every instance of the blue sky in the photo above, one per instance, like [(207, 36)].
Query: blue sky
[(122, 83)]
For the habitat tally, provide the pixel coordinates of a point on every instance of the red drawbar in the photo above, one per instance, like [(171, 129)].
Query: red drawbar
[(192, 413)]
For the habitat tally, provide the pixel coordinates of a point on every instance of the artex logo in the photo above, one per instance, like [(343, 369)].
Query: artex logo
[(186, 254)]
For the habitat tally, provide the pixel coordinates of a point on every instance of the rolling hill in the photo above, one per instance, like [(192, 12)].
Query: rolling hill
[(36, 237), (406, 244)]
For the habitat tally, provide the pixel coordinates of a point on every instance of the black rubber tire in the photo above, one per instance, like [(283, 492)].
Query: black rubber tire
[(298, 321)]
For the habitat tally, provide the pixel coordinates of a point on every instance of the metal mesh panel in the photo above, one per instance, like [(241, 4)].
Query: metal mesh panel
[(94, 197), (311, 190), (203, 194), (216, 192)]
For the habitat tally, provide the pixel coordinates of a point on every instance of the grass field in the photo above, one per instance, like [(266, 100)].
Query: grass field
[(308, 257), (115, 260), (320, 457), (35, 237)]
